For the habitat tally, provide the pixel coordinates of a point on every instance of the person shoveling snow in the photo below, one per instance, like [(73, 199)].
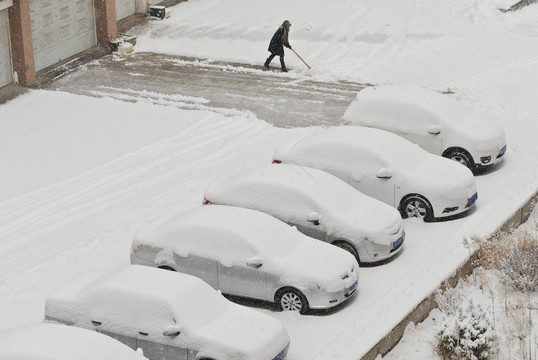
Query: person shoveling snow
[(276, 46)]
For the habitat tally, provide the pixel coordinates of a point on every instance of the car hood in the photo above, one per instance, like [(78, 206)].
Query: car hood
[(476, 133), (439, 177), (248, 334), (319, 263), (373, 219)]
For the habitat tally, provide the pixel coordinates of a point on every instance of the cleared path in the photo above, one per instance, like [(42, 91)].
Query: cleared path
[(283, 99)]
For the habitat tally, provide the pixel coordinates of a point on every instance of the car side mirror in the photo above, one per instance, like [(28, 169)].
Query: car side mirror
[(255, 262), (172, 330), (313, 218), (434, 130), (356, 177), (384, 173)]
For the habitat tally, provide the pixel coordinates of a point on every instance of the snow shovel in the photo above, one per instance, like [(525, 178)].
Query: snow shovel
[(300, 58)]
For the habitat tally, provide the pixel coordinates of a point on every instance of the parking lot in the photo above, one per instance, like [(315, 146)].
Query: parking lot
[(87, 222)]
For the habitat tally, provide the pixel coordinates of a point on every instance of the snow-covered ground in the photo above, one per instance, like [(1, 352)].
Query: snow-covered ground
[(504, 307), (80, 175)]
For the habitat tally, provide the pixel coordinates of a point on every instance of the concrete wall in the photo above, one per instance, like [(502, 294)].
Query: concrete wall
[(422, 311)]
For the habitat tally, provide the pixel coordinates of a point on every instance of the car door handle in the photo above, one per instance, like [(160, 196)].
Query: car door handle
[(143, 333), (96, 323)]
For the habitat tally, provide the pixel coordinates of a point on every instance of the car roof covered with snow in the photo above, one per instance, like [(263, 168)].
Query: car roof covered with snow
[(61, 342), (343, 146), (292, 191), (142, 297), (396, 107), (229, 231), (144, 290), (348, 149), (232, 235)]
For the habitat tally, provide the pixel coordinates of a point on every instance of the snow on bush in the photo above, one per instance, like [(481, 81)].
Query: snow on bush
[(464, 333), (519, 266)]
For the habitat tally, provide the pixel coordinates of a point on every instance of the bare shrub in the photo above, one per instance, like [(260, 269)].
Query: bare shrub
[(492, 251), (519, 266), (449, 300)]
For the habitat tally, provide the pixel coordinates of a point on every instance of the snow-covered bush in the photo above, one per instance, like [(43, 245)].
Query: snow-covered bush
[(449, 300), (465, 334), (519, 266)]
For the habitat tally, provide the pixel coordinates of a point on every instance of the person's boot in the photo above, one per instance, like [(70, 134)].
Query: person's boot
[(283, 64), (266, 64)]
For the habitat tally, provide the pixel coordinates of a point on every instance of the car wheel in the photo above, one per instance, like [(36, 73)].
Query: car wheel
[(416, 206), (290, 299), (347, 247), (460, 156)]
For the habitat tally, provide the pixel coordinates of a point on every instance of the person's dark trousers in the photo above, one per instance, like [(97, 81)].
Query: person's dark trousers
[(271, 57)]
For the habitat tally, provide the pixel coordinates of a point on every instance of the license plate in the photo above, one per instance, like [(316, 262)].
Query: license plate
[(281, 355), (503, 150), (398, 242), (352, 287), (472, 199)]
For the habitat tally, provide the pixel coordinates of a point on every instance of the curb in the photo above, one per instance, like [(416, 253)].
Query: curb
[(422, 310)]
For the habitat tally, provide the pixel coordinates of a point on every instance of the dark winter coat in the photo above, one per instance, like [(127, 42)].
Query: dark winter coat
[(280, 39)]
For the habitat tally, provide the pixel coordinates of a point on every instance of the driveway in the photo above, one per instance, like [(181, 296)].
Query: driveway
[(282, 99)]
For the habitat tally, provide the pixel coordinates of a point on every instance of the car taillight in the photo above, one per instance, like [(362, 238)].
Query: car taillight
[(277, 162), (206, 202), (346, 123), (135, 246)]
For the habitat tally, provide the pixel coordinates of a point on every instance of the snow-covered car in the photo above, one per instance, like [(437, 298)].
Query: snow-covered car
[(386, 167), (318, 204), (61, 342), (250, 254), (438, 123), (169, 316)]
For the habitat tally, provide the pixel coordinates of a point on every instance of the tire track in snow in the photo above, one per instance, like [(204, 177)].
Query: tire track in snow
[(66, 216)]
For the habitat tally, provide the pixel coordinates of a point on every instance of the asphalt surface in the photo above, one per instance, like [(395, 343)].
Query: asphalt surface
[(283, 99)]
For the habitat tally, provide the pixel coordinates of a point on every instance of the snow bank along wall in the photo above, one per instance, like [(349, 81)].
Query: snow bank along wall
[(422, 310)]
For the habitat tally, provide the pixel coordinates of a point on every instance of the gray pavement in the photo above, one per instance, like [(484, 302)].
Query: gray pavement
[(285, 100)]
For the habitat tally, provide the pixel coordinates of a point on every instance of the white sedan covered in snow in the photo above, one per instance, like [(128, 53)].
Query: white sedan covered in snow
[(438, 123), (61, 342), (319, 204), (250, 254), (169, 316), (386, 167)]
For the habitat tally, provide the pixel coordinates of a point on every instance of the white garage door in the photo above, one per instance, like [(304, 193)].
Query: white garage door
[(5, 57), (60, 29), (125, 8)]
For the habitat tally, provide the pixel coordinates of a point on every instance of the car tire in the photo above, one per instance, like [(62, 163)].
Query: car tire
[(344, 245), (461, 156), (416, 206), (290, 299)]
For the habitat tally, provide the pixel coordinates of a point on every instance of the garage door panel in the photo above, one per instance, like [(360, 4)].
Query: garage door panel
[(125, 8), (60, 29), (5, 56)]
